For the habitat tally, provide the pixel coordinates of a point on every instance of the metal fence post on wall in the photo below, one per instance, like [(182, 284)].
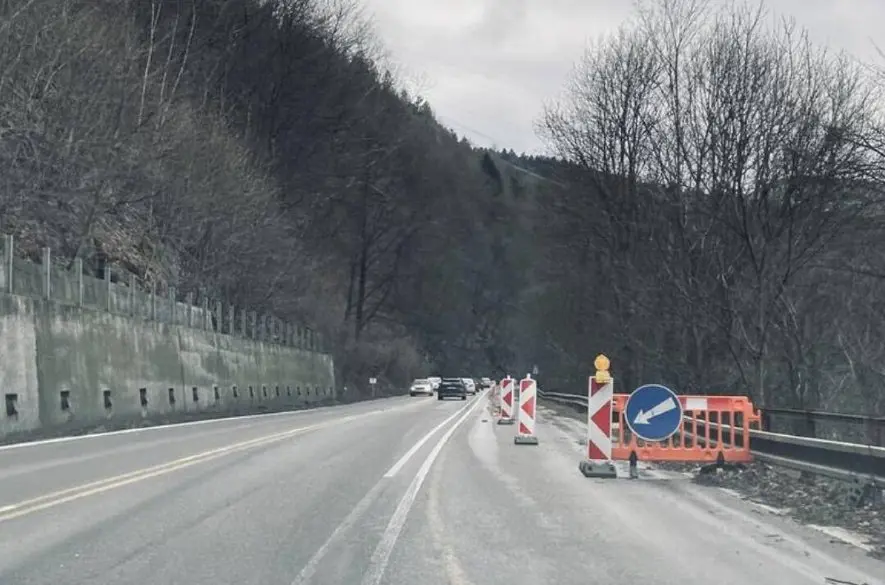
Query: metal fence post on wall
[(232, 320), (132, 295), (47, 273), (190, 308), (108, 305), (219, 316), (78, 272), (153, 316), (204, 304), (253, 329), (243, 323), (8, 255), (172, 294)]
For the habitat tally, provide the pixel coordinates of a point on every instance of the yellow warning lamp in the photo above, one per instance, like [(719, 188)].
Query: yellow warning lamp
[(602, 365)]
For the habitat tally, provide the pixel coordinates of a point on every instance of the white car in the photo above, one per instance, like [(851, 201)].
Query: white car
[(422, 387), (471, 385), (435, 381)]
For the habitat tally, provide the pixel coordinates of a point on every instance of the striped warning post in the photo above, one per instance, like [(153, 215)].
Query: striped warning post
[(527, 412), (599, 423), (599, 420), (506, 417)]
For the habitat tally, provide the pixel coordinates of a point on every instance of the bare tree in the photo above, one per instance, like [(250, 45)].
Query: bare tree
[(729, 154)]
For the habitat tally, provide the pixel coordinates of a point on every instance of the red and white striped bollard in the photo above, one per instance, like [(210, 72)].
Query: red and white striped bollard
[(527, 412), (600, 394), (506, 417)]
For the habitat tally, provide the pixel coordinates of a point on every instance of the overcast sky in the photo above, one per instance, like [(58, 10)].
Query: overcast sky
[(487, 66)]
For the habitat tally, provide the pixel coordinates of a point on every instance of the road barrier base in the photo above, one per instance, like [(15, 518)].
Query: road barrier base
[(525, 440), (603, 469), (506, 421)]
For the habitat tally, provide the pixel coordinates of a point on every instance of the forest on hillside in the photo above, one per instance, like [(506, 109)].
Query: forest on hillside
[(261, 153), (709, 216), (723, 230)]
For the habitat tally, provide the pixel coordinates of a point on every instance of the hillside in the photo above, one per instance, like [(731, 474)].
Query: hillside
[(261, 153), (256, 153)]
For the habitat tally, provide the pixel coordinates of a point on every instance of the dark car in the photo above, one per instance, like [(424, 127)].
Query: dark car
[(451, 388)]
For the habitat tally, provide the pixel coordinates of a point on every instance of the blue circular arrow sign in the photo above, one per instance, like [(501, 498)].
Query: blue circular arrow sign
[(653, 412)]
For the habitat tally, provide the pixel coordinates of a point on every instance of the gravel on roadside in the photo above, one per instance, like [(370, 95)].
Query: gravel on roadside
[(808, 499)]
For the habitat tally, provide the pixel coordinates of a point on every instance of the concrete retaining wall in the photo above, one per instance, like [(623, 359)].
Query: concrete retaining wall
[(71, 365)]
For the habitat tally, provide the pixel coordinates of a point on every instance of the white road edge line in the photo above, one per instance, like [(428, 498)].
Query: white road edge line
[(411, 452), (175, 426), (378, 562)]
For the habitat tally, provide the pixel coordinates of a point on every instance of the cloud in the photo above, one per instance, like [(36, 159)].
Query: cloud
[(489, 65)]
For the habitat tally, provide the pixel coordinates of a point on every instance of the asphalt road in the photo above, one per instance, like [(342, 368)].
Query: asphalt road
[(401, 491)]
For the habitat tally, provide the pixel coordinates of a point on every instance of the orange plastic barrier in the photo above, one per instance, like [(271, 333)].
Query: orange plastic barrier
[(727, 439)]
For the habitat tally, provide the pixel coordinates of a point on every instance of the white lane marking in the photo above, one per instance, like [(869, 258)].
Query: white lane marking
[(381, 556), (310, 568), (411, 452), (179, 425)]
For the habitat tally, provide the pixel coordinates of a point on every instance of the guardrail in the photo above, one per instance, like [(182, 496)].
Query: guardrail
[(808, 423), (854, 462)]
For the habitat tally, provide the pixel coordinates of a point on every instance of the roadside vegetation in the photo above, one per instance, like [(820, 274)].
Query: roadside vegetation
[(712, 219)]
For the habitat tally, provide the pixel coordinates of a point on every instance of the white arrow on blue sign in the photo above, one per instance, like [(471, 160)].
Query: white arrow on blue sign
[(653, 412)]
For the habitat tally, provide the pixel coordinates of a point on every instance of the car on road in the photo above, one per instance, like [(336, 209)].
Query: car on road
[(470, 385), (452, 388), (421, 387), (434, 381)]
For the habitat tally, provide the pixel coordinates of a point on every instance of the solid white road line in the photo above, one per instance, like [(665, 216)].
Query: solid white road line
[(310, 569), (405, 458), (378, 563)]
